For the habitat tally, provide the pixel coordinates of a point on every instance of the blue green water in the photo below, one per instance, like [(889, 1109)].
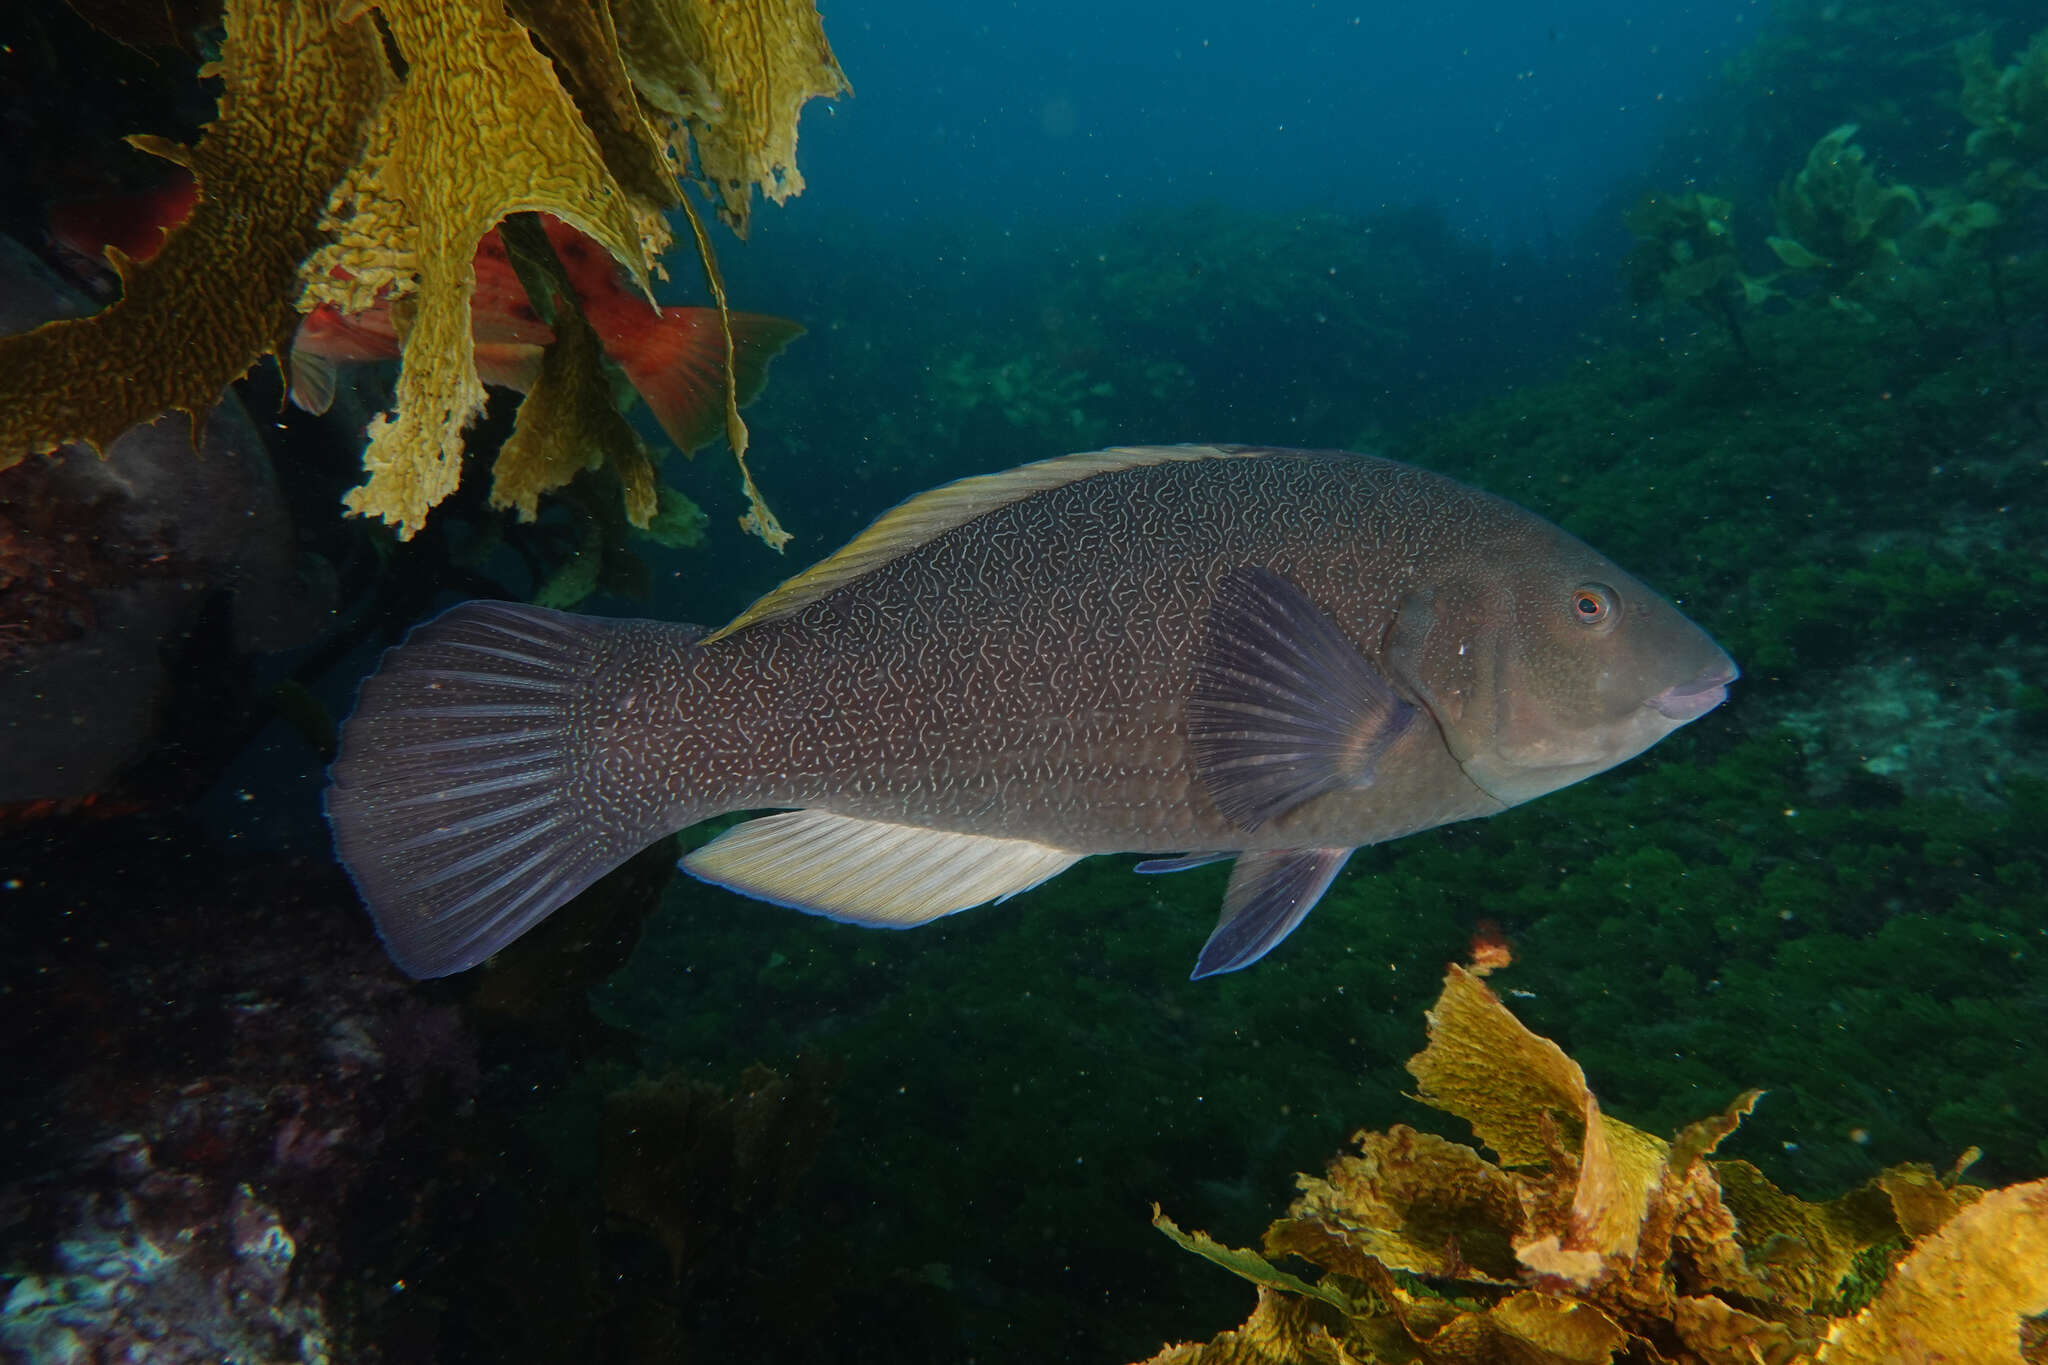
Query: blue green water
[(1802, 395), (1416, 244)]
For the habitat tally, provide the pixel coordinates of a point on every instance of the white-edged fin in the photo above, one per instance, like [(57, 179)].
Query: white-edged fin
[(1270, 894), (1152, 866), (313, 380), (1282, 707), (869, 871)]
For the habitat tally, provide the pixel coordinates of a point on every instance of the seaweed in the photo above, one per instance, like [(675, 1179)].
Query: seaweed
[(1685, 253), (359, 154), (701, 1167), (1594, 1241), (1839, 223)]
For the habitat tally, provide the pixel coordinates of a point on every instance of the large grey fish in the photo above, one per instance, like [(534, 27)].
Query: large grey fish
[(1277, 655)]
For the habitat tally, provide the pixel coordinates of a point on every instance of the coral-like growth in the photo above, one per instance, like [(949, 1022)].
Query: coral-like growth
[(1592, 1241)]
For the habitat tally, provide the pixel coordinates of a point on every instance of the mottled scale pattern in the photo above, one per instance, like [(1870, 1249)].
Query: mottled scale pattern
[(1025, 673)]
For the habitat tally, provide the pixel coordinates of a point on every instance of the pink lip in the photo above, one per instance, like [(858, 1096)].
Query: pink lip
[(1691, 700)]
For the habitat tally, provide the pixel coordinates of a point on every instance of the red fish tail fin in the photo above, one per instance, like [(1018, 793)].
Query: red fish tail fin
[(314, 378), (499, 761), (677, 365)]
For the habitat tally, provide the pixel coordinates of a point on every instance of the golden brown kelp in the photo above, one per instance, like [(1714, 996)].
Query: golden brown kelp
[(569, 422), (299, 86), (1592, 1241), (359, 154)]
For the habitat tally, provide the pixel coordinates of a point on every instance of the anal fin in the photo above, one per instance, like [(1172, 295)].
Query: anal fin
[(1270, 893), (871, 872)]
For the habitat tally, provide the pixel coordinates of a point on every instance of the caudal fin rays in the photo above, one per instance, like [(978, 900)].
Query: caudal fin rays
[(464, 802)]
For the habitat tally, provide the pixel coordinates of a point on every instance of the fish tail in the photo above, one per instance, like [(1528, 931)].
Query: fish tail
[(499, 761), (314, 378), (677, 365)]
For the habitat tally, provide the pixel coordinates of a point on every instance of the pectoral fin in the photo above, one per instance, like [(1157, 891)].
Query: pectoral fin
[(870, 871), (1270, 893), (1282, 706)]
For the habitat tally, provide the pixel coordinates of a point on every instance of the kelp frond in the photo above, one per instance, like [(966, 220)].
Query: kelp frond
[(1592, 1241), (361, 151)]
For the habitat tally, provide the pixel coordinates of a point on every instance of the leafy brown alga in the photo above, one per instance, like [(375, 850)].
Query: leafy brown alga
[(569, 422), (299, 85), (336, 173), (1593, 1242), (735, 76), (480, 128)]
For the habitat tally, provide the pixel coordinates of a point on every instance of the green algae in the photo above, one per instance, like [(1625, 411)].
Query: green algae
[(1839, 222), (1763, 900)]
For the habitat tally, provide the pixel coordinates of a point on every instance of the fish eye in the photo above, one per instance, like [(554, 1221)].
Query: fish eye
[(1593, 604)]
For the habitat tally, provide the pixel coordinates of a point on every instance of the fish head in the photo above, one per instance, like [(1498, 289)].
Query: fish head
[(1544, 662)]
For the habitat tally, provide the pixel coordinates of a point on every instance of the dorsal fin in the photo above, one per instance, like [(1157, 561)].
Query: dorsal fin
[(930, 514)]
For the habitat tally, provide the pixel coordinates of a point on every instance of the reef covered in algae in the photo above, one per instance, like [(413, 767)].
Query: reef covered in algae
[(359, 154), (1593, 1242)]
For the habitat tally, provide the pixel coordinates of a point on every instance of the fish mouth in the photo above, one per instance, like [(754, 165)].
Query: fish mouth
[(1691, 700)]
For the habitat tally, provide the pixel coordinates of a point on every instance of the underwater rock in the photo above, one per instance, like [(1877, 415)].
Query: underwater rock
[(1907, 725), (163, 1267), (106, 563), (189, 1129)]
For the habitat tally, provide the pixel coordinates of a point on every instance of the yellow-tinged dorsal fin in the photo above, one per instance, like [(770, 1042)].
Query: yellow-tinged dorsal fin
[(930, 514)]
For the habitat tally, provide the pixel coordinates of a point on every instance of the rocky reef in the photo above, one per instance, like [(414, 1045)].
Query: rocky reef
[(192, 1135)]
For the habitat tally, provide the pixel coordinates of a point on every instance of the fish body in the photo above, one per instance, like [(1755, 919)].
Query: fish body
[(1202, 652)]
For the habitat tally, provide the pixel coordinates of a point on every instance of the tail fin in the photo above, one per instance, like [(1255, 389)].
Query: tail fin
[(467, 801), (314, 378), (678, 367)]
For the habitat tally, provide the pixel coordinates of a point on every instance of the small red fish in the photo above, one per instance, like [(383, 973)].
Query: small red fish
[(674, 357), (133, 224)]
